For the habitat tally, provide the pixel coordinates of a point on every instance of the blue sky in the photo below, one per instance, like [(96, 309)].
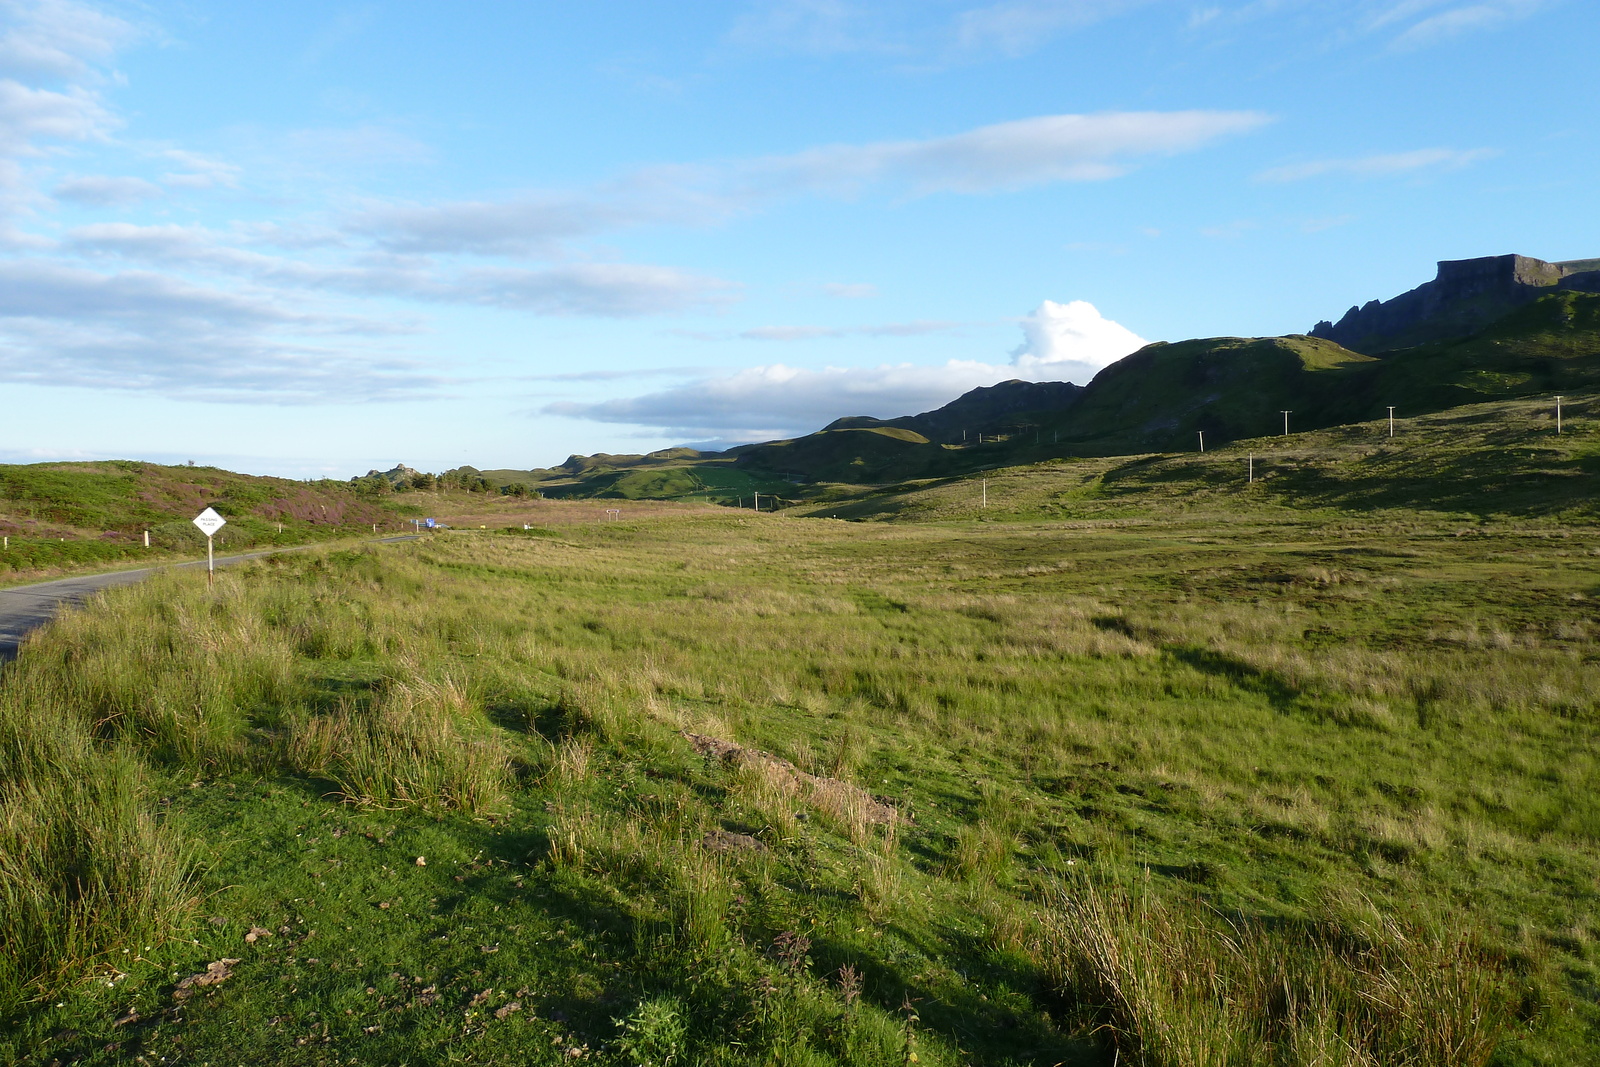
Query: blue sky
[(317, 238)]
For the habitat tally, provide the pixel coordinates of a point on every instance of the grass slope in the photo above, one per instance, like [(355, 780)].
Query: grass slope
[(1342, 763), (63, 516), (1161, 398), (1477, 461)]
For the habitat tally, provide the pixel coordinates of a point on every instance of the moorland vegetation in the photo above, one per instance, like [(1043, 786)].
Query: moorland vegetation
[(1166, 768), (1068, 747)]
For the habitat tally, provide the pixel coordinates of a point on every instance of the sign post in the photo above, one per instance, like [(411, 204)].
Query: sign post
[(209, 522)]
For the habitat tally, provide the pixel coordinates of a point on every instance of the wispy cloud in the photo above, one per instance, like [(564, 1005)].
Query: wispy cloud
[(58, 38), (781, 401), (613, 290), (1458, 19), (62, 325), (989, 159), (99, 190), (1061, 341), (1004, 156), (1379, 166)]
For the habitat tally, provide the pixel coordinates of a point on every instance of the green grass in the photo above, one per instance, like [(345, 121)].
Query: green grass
[(1279, 718), (65, 517), (1498, 460)]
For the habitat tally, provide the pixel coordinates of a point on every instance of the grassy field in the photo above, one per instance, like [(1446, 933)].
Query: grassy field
[(1206, 780), (61, 518), (1500, 461)]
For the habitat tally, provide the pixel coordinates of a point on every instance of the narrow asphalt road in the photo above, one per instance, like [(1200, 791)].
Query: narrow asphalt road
[(25, 608)]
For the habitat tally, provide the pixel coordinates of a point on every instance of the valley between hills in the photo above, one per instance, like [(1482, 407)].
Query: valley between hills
[(1072, 744)]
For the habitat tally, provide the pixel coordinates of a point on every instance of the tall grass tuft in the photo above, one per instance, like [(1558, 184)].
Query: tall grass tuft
[(84, 868), (1178, 985), (423, 742)]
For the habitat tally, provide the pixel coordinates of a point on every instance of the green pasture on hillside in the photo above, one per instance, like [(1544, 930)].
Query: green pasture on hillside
[(1204, 785)]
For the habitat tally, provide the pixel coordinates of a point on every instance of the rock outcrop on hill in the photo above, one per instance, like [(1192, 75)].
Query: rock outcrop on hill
[(1466, 296)]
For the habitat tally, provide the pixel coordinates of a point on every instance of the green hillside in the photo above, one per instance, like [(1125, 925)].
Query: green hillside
[(1474, 462), (1158, 399), (61, 515)]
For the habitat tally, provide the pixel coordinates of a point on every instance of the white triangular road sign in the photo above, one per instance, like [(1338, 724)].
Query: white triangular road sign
[(209, 522)]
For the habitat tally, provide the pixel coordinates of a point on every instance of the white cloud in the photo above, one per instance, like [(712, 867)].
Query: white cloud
[(1005, 156), (136, 330), (603, 289), (57, 38), (1063, 342), (1071, 341), (27, 114), (1380, 166), (762, 403), (99, 190), (616, 290), (1465, 18), (200, 171)]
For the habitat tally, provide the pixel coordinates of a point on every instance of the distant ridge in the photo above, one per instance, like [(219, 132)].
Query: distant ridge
[(1485, 329), (1464, 297), (977, 410)]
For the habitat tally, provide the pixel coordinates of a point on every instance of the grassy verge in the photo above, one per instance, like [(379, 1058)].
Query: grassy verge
[(1318, 752)]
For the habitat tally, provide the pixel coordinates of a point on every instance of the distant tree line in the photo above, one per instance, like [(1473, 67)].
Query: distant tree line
[(465, 479)]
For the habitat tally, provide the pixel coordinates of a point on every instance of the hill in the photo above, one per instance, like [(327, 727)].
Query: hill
[(1160, 398), (1473, 463), (1498, 328), (61, 515), (984, 409)]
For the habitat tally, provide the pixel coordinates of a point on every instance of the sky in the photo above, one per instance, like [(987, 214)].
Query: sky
[(312, 239)]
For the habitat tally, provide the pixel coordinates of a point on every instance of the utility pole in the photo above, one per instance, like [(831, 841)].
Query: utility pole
[(1558, 414), (1202, 440), (1286, 424), (1391, 420)]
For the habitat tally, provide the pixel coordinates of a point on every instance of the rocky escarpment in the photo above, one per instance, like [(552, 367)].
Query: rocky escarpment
[(1466, 296)]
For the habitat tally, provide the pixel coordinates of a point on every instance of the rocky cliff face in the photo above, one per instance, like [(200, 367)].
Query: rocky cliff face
[(1466, 296)]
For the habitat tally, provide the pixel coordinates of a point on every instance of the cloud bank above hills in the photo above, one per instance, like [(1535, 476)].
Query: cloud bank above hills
[(1061, 342)]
